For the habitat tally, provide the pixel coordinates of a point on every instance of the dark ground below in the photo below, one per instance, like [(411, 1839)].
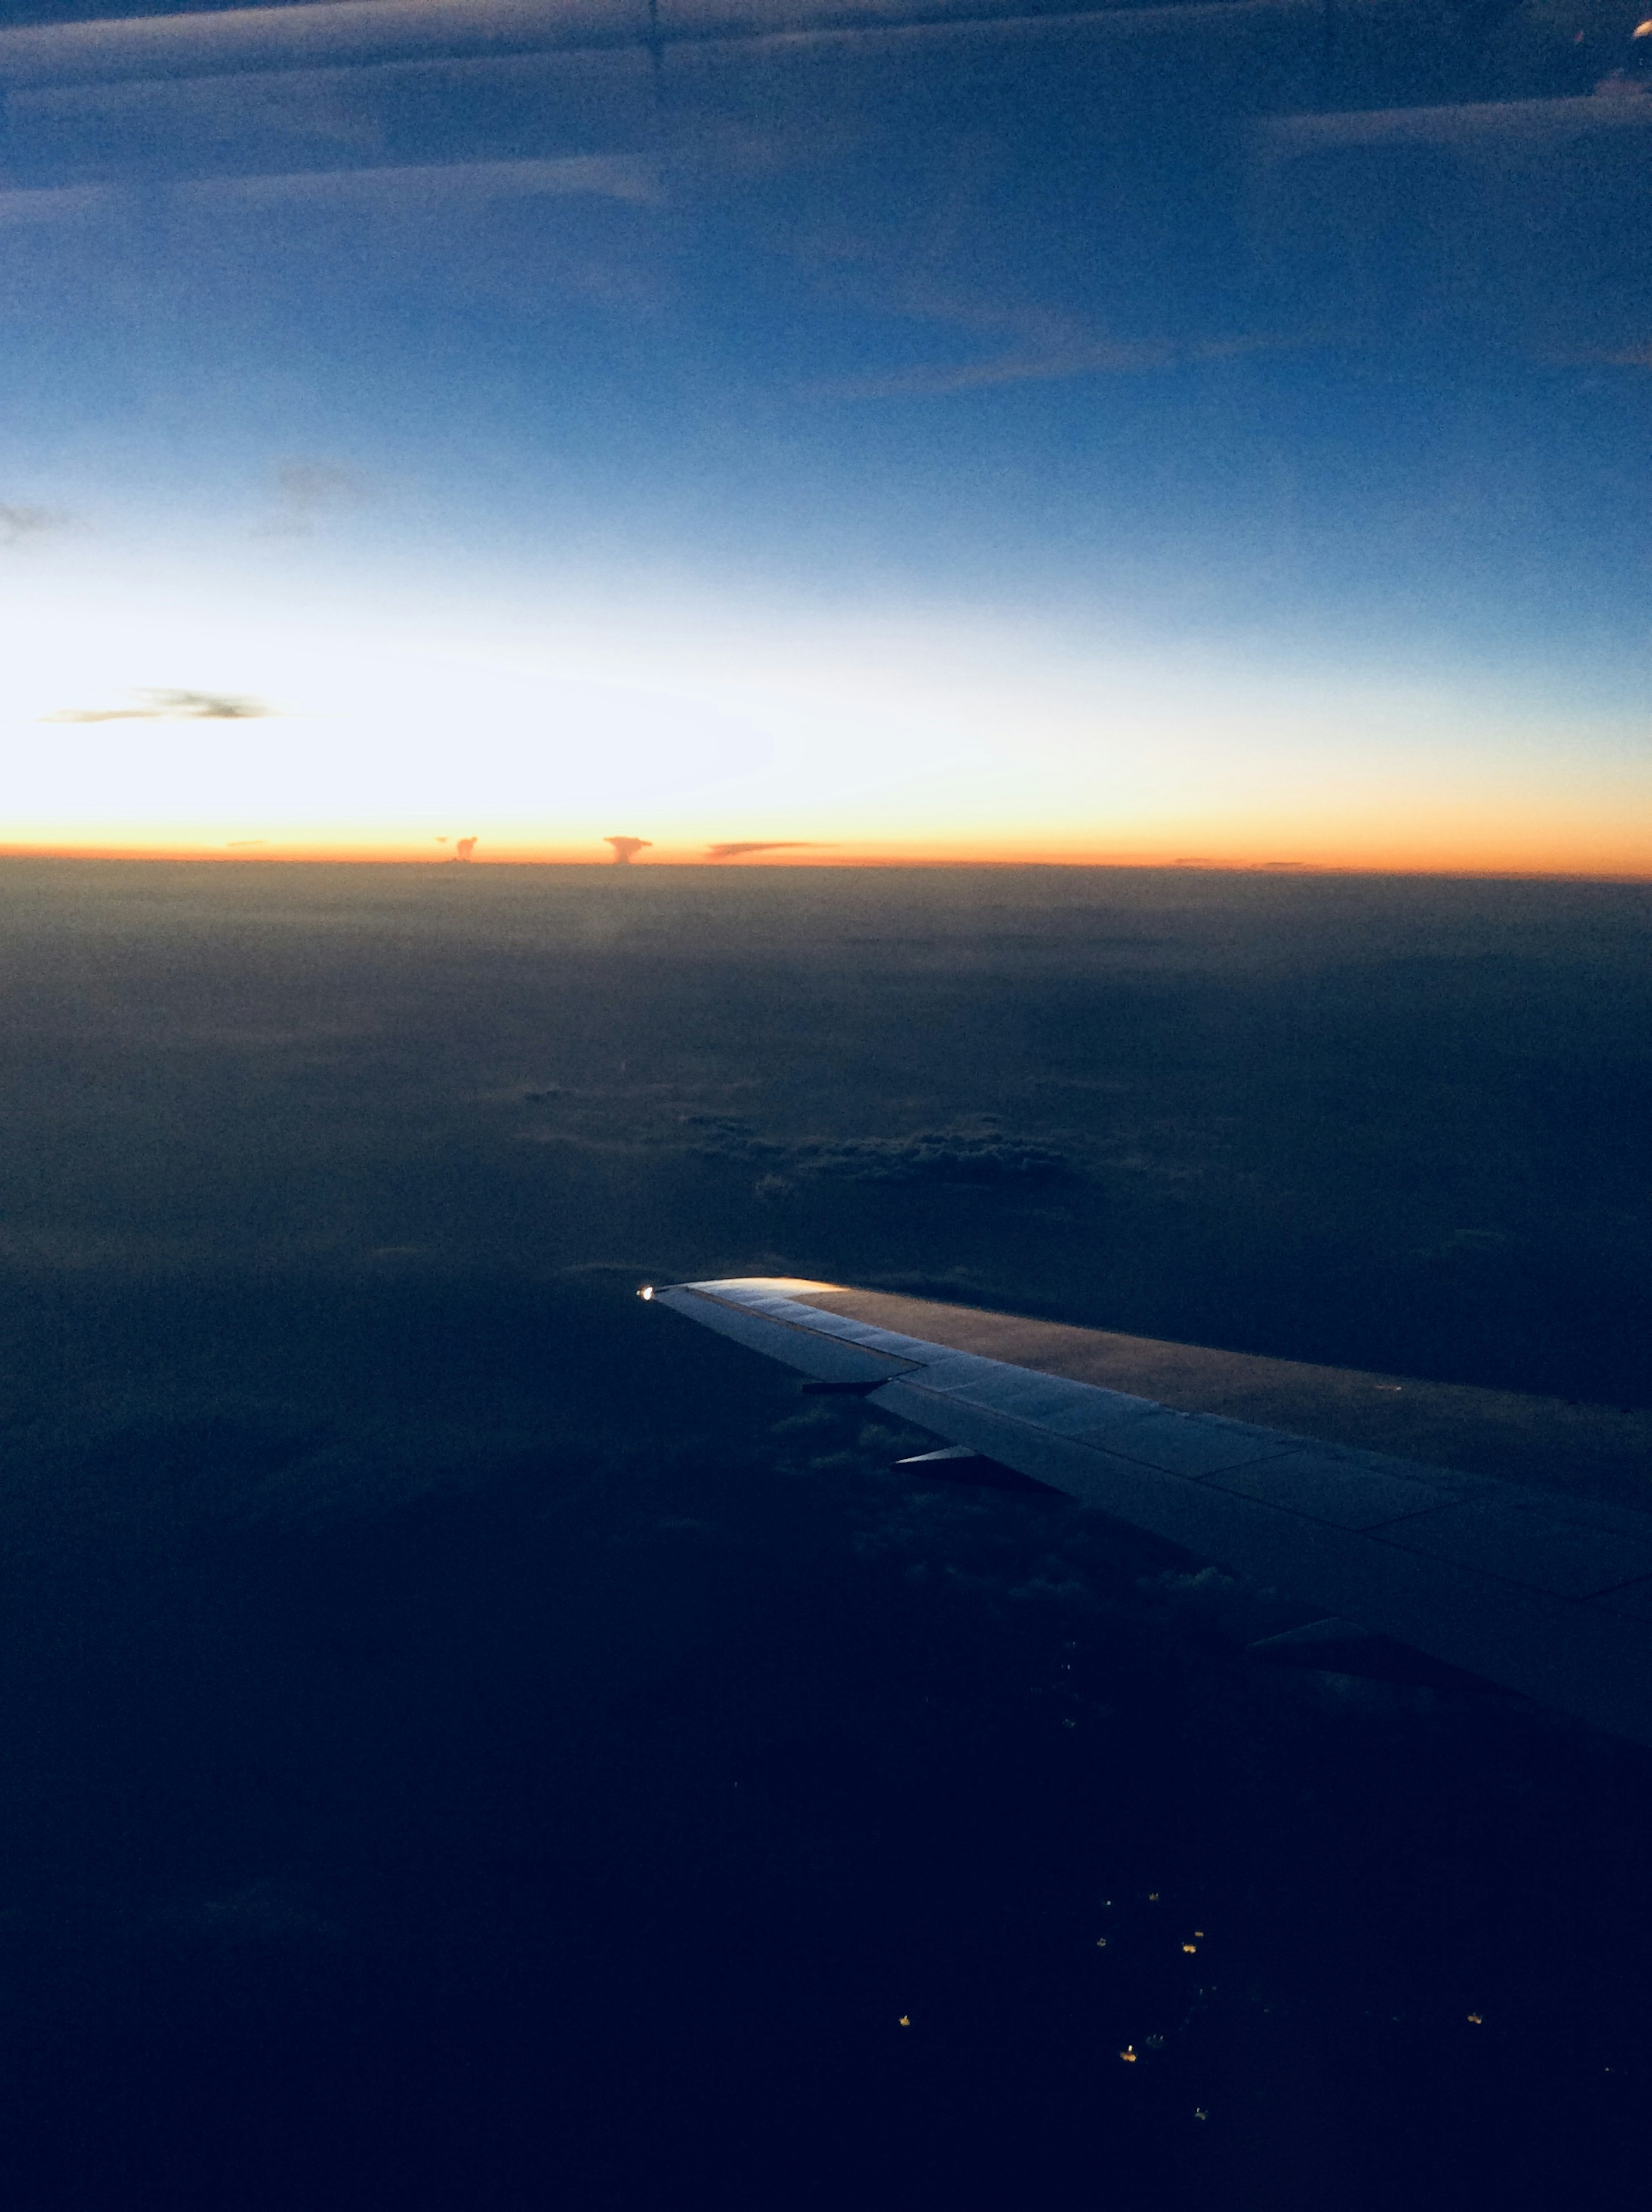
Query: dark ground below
[(469, 1740)]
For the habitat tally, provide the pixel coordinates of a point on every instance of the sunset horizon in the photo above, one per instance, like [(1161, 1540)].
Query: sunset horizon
[(503, 854)]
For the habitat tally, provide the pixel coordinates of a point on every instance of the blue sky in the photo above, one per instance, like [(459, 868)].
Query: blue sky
[(1146, 397)]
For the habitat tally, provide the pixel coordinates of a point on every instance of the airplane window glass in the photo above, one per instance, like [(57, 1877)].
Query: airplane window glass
[(961, 685)]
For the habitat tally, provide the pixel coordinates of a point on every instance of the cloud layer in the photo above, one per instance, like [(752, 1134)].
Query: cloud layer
[(987, 1159)]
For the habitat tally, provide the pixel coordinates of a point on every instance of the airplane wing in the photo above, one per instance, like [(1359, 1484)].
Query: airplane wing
[(1507, 1536)]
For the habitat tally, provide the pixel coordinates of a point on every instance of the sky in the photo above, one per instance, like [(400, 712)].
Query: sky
[(1158, 441)]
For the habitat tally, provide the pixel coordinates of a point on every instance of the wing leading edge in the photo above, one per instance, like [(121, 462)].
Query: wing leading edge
[(1545, 1591)]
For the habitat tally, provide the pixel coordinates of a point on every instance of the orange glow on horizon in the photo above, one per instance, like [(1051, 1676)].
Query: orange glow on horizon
[(1575, 859), (773, 738)]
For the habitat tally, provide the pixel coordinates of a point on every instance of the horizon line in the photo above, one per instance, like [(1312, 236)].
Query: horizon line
[(449, 865)]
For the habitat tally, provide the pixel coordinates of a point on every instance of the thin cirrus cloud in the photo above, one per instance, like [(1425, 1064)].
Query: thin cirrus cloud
[(738, 851), (1085, 357), (1030, 343), (170, 706)]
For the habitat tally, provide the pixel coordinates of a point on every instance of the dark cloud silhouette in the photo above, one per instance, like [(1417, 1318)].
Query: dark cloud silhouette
[(306, 491), (170, 706), (770, 845), (626, 848), (17, 523)]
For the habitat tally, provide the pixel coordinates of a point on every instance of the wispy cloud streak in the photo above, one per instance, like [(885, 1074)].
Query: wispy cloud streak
[(170, 706), (768, 845)]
